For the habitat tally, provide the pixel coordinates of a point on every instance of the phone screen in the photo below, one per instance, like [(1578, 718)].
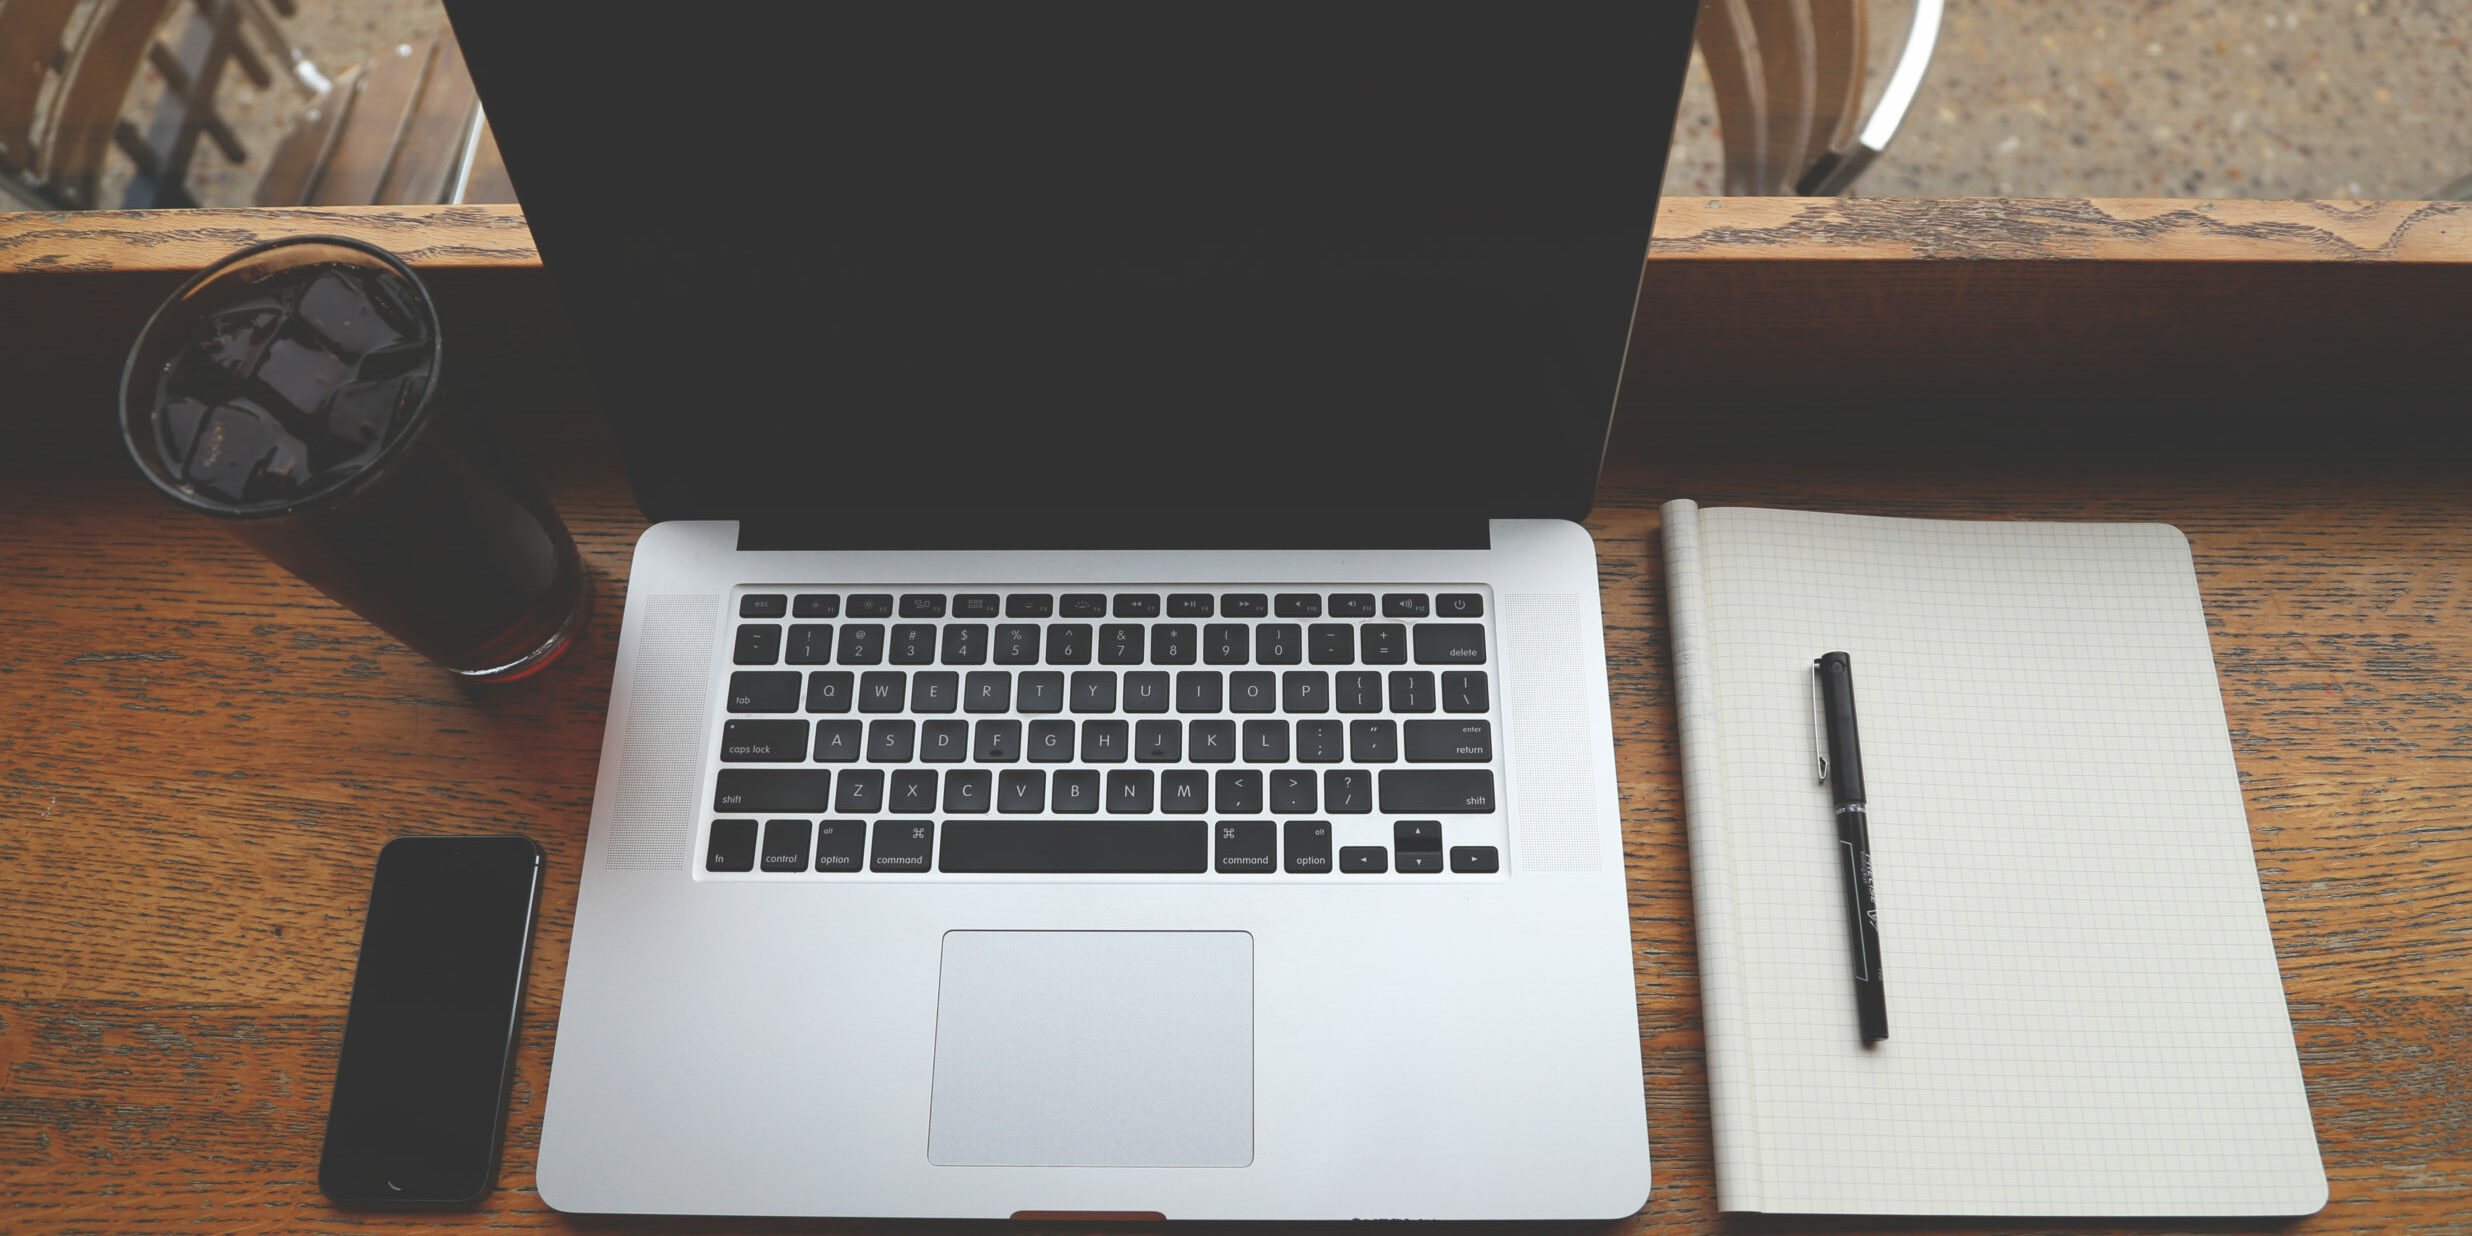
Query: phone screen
[(420, 1094)]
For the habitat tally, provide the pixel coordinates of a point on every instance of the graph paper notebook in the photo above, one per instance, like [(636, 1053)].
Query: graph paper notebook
[(2084, 1009)]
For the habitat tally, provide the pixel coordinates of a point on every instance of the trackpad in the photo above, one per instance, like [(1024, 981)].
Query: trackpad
[(1094, 1049)]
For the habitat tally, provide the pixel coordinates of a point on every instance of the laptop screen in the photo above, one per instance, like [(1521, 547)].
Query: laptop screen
[(1099, 258)]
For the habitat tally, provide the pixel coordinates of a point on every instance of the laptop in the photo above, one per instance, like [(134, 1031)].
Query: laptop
[(1110, 714)]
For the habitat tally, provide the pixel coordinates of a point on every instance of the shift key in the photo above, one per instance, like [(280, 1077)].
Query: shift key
[(1448, 742), (1468, 791)]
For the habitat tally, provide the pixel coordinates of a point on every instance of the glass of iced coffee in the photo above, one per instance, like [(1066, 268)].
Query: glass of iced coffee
[(292, 391)]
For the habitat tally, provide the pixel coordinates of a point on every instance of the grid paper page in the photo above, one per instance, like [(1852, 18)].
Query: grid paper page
[(2085, 1012)]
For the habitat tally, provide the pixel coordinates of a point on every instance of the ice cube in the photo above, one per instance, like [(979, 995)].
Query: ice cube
[(359, 415), (244, 455), (176, 429), (233, 338), (338, 306), (301, 376)]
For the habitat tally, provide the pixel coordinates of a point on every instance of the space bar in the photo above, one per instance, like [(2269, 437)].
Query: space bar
[(1093, 847)]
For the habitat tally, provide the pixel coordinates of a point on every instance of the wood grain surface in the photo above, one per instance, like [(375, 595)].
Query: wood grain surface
[(2081, 316), (199, 758)]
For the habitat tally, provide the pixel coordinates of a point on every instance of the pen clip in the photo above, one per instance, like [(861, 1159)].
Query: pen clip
[(1819, 724)]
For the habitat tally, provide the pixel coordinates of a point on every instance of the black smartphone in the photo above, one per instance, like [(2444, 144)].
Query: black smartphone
[(428, 1045)]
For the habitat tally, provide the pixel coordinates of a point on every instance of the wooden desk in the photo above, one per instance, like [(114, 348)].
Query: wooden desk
[(199, 758)]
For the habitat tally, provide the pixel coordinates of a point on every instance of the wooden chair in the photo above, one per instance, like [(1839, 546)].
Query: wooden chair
[(64, 82), (405, 128), (1790, 78)]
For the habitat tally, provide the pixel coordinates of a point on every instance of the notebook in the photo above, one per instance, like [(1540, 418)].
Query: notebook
[(2085, 1014)]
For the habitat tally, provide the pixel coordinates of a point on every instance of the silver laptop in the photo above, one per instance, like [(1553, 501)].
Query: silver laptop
[(1110, 716)]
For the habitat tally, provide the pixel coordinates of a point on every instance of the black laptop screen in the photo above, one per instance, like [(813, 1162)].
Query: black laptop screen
[(1103, 258)]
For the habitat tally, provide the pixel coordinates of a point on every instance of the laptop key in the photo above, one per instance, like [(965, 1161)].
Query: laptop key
[(913, 792), (965, 643), (859, 791), (1419, 862), (1239, 791), (1360, 691), (1246, 847), (1029, 605), (1347, 791), (1093, 847), (763, 742), (1083, 605), (1184, 791), (1411, 691), (1437, 791), (871, 605), (1363, 859), (1105, 742), (883, 690), (1404, 604), (1200, 691), (903, 845), (732, 846), (1351, 605), (1253, 691), (1459, 605), (1465, 691), (1305, 691), (1051, 742), (816, 605), (1385, 643), (922, 605), (1245, 605), (1213, 742), (1321, 742), (764, 605), (1120, 643), (987, 691), (1417, 835), (934, 691), (1308, 847), (1225, 643), (1475, 859), (944, 742), (862, 643), (1188, 605), (1077, 791), (1171, 643), (999, 742), (1068, 643), (1292, 792), (1130, 791), (1147, 692), (1450, 643), (1330, 643), (1042, 691), (839, 844), (759, 643), (1158, 742), (891, 742), (1448, 742), (975, 605), (1021, 791), (769, 790), (1266, 742), (914, 643), (837, 742), (1094, 691), (764, 691), (1017, 643), (1374, 742), (968, 790), (811, 643), (1279, 643), (829, 690), (1137, 605), (1300, 605)]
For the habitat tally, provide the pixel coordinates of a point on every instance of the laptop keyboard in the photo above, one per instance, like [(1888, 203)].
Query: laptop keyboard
[(1269, 734)]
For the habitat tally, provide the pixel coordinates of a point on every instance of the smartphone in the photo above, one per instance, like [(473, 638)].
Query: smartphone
[(428, 1045)]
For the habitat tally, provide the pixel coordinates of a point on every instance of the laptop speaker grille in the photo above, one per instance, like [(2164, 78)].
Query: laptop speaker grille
[(1553, 799), (652, 819)]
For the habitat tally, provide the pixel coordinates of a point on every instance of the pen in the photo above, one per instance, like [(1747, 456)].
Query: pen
[(1841, 768)]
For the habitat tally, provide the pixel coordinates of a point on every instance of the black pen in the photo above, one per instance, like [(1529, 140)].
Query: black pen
[(1841, 767)]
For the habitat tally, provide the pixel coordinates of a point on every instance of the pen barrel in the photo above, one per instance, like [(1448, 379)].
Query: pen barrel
[(1870, 994)]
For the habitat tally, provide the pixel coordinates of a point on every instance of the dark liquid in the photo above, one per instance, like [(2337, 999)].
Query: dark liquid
[(299, 407)]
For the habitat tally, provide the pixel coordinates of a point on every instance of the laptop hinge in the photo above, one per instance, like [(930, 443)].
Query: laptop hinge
[(1117, 529)]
